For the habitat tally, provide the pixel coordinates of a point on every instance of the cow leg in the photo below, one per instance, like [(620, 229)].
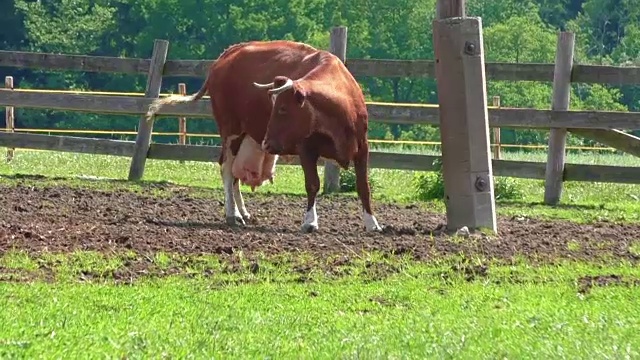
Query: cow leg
[(309, 161), (364, 191), (237, 195), (269, 167), (233, 216)]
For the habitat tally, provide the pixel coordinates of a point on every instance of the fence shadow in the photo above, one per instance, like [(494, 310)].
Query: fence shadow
[(516, 203), (153, 185), (222, 225), (141, 183)]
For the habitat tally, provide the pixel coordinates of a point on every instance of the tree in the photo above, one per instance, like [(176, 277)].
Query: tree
[(607, 31)]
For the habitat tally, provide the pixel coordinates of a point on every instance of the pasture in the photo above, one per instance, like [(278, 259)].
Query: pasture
[(93, 266), (95, 262)]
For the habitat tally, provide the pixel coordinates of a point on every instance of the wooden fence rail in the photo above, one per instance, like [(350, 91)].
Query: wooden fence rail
[(378, 159), (390, 113), (600, 74), (603, 126)]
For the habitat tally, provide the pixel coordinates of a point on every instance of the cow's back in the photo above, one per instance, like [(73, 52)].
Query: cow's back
[(238, 105)]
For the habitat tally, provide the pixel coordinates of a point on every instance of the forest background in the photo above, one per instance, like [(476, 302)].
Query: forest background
[(516, 31)]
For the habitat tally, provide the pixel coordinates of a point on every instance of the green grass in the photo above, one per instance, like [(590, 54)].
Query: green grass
[(582, 202), (84, 305), (419, 310)]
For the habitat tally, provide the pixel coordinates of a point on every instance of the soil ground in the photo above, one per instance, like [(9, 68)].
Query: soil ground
[(64, 219)]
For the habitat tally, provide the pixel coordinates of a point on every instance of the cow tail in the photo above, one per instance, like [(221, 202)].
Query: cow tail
[(157, 104)]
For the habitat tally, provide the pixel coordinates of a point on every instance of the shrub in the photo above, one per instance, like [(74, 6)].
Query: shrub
[(507, 188), (348, 181), (430, 186)]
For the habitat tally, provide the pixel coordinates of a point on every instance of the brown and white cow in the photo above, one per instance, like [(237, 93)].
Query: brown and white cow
[(272, 98)]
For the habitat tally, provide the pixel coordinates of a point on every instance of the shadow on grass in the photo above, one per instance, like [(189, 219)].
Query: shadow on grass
[(144, 184), (121, 184), (251, 226), (540, 204)]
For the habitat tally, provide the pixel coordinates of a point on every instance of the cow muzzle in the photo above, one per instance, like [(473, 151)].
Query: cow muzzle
[(271, 147)]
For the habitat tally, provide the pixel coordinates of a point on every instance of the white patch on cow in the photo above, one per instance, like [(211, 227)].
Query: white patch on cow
[(370, 222), (269, 160), (230, 207), (240, 201), (310, 221), (273, 98), (273, 166)]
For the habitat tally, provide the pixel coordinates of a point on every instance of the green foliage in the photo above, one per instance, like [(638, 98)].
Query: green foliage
[(597, 97), (379, 131), (520, 39), (421, 132), (68, 26), (603, 24), (430, 186), (607, 32), (506, 188), (348, 181)]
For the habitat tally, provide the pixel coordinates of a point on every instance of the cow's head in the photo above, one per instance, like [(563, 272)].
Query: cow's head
[(291, 121)]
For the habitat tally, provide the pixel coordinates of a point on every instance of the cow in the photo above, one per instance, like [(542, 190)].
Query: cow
[(281, 97)]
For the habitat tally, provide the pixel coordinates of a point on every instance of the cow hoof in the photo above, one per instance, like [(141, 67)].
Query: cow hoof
[(309, 228), (375, 228), (247, 218), (235, 221), (370, 223)]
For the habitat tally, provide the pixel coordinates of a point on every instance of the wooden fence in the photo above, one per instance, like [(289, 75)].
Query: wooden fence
[(602, 126)]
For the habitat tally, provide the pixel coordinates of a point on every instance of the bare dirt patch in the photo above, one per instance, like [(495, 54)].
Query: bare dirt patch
[(586, 283), (64, 219)]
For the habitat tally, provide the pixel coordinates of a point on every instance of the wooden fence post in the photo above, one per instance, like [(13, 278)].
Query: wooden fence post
[(154, 82), (450, 8), (496, 132), (182, 121), (554, 175), (464, 125), (9, 117), (337, 46)]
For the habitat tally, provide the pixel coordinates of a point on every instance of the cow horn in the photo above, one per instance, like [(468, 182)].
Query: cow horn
[(287, 85), (263, 86)]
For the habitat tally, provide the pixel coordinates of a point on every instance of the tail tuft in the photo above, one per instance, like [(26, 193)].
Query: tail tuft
[(157, 104)]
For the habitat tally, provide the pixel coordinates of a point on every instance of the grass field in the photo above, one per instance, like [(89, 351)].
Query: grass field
[(79, 305), (616, 202)]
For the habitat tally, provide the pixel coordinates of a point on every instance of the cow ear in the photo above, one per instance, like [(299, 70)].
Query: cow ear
[(300, 96)]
